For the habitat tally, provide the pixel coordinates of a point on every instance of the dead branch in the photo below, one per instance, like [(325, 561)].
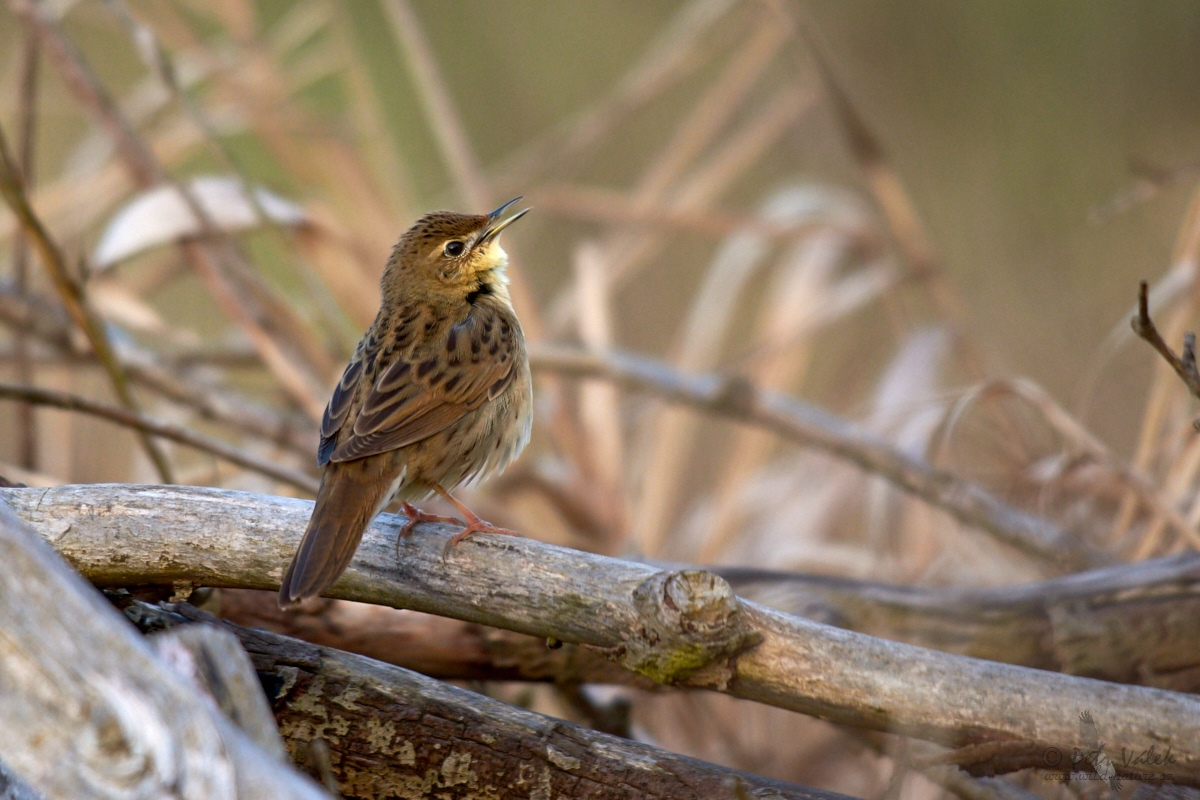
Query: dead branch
[(26, 126), (51, 326), (13, 190), (679, 628), (440, 647), (1184, 365), (215, 260), (738, 399), (615, 207), (899, 212), (395, 733), (1135, 623), (165, 430), (216, 663), (91, 711)]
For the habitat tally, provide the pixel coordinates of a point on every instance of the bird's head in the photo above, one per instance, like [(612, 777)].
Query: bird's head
[(446, 252)]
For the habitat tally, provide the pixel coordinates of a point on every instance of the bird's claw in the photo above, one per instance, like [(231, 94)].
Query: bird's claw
[(475, 525)]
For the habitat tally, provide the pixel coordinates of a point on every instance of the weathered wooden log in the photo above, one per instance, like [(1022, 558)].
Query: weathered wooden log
[(395, 733), (683, 628), (214, 660), (13, 788), (89, 709)]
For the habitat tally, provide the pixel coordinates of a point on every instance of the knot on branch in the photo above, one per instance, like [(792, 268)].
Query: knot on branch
[(690, 625), (737, 395)]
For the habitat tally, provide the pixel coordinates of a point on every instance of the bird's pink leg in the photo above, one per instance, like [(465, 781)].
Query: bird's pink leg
[(474, 523), (416, 515)]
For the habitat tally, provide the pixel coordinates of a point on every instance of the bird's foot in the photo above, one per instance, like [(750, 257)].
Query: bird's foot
[(416, 515), (475, 525)]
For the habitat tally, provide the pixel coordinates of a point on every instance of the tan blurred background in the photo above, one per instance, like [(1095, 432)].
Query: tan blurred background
[(1008, 123), (698, 200)]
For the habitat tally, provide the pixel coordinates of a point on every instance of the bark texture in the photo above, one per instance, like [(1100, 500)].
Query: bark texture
[(680, 628), (393, 733), (91, 711), (1138, 623)]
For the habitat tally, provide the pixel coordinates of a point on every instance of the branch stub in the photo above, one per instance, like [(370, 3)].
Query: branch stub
[(690, 626)]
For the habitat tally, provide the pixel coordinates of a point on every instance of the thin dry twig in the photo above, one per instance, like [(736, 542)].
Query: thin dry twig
[(1158, 422), (26, 125), (152, 427), (708, 117), (617, 207), (146, 170), (899, 212), (72, 296), (448, 129), (166, 376), (159, 62), (688, 42), (72, 67), (738, 399), (1184, 364), (1080, 445), (1150, 180)]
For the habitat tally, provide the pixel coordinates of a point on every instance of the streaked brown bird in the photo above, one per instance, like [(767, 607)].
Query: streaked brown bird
[(438, 393)]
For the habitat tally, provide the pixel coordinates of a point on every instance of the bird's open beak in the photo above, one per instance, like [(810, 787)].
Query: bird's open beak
[(496, 225)]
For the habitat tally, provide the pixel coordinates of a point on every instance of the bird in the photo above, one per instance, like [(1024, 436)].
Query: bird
[(1093, 752), (437, 393)]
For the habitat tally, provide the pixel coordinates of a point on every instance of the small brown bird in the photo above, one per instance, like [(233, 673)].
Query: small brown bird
[(438, 393)]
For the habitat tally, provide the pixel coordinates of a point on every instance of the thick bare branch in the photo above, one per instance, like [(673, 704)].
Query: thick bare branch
[(681, 628), (1133, 623), (440, 647), (395, 733), (1136, 623), (213, 659), (91, 711), (737, 398)]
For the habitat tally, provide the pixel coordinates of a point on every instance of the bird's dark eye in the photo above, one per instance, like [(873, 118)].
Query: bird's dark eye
[(454, 249)]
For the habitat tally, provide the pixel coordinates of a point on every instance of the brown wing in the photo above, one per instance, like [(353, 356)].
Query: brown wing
[(429, 388), (343, 398)]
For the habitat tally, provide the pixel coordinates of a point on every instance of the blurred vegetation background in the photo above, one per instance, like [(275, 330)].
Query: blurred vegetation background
[(962, 194)]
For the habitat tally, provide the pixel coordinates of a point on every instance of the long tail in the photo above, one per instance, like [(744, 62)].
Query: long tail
[(347, 501)]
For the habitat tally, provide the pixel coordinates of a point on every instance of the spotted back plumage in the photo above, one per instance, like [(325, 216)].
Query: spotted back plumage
[(420, 375)]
